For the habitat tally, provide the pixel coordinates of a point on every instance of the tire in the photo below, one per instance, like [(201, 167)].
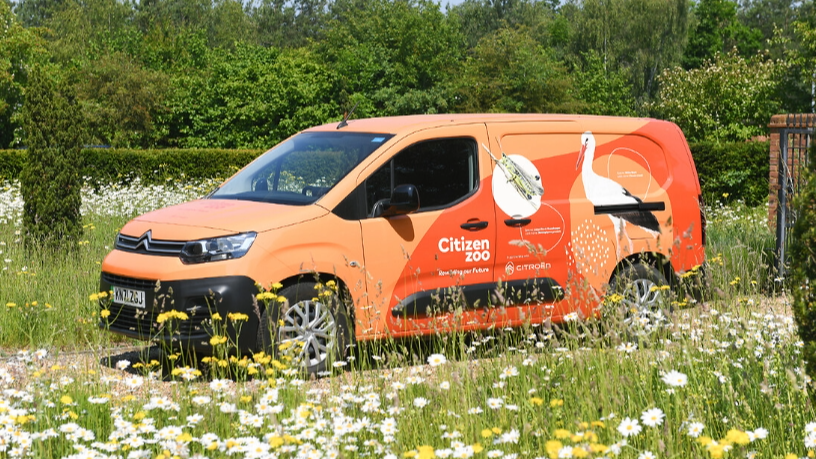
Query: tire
[(326, 333), (642, 307)]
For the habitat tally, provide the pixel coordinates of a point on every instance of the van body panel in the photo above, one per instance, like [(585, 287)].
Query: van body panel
[(521, 218)]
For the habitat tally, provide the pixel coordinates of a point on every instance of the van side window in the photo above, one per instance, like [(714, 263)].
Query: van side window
[(444, 171)]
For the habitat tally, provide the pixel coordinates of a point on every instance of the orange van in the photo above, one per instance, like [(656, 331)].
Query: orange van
[(418, 224)]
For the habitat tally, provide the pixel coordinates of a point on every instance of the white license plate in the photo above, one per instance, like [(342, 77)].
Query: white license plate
[(129, 297)]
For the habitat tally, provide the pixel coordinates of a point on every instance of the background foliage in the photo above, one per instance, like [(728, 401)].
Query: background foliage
[(227, 74), (803, 271), (728, 171)]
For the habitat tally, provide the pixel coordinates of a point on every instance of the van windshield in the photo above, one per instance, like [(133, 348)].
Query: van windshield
[(301, 169)]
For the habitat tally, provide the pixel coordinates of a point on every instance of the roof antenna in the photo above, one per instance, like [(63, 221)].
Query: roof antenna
[(346, 117)]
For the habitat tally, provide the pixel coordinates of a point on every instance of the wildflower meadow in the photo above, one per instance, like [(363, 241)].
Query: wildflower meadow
[(721, 379)]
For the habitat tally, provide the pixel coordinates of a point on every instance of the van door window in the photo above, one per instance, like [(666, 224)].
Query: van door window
[(444, 171)]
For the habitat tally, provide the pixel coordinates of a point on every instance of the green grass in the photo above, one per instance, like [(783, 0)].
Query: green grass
[(532, 392)]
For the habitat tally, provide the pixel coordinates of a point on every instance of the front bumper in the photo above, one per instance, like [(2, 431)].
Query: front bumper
[(198, 298)]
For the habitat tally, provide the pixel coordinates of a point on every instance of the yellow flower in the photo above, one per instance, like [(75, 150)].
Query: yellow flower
[(277, 286), (275, 441), (561, 434), (598, 447), (556, 402), (477, 448), (552, 447), (216, 316), (139, 416), (426, 452), (791, 456), (704, 440), (237, 317), (66, 399), (409, 454), (104, 313), (737, 436), (496, 430), (487, 433), (537, 401), (246, 399), (716, 451), (11, 305), (216, 340), (579, 452)]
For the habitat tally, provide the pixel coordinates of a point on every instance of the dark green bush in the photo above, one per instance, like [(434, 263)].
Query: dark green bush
[(739, 170), (107, 164), (731, 171), (50, 182), (803, 270)]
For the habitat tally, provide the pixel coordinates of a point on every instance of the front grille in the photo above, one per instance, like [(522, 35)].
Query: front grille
[(147, 245), (129, 282), (142, 322)]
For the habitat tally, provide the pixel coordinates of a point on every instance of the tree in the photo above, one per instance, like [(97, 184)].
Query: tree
[(289, 24), (603, 91), (121, 101), (510, 72), (728, 99), (49, 182), (718, 31), (251, 97), (479, 18), (35, 13), (396, 57), (638, 38), (19, 48)]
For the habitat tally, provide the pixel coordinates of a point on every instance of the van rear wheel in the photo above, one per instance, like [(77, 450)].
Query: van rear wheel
[(311, 326), (643, 298)]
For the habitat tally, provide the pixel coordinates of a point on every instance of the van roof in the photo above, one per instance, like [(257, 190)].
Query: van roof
[(398, 124)]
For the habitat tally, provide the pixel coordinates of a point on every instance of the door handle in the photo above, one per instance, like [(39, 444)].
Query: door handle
[(517, 222), (474, 225)]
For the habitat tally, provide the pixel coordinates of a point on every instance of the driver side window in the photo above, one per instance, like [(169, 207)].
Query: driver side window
[(444, 171)]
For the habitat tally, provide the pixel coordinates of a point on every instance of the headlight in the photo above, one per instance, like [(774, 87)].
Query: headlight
[(219, 248)]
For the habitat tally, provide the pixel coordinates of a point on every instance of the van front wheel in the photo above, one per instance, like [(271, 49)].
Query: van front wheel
[(311, 326), (643, 298)]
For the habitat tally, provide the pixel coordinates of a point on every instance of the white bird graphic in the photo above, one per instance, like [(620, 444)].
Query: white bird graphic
[(602, 191)]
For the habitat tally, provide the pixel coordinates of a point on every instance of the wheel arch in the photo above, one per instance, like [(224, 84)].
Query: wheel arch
[(656, 260), (323, 277)]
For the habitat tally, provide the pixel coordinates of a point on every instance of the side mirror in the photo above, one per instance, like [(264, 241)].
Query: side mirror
[(404, 200)]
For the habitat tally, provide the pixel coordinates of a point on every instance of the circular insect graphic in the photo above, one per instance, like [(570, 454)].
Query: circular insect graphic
[(517, 186)]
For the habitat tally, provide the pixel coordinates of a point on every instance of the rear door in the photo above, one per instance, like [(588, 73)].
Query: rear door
[(533, 173)]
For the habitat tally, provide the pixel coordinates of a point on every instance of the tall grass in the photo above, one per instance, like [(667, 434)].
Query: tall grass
[(722, 379)]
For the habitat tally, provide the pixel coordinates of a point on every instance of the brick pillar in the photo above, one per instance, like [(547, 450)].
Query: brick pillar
[(778, 122)]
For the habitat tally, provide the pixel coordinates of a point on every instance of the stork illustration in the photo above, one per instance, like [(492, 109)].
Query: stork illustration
[(602, 191)]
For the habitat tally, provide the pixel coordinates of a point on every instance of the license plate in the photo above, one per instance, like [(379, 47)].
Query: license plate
[(129, 297)]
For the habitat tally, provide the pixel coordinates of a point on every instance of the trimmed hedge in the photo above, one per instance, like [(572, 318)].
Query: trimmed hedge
[(739, 170), (731, 171), (153, 166)]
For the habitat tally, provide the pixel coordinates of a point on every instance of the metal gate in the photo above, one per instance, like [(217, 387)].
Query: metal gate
[(795, 137)]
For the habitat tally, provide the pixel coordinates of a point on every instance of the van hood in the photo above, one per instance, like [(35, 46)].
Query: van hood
[(221, 216)]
